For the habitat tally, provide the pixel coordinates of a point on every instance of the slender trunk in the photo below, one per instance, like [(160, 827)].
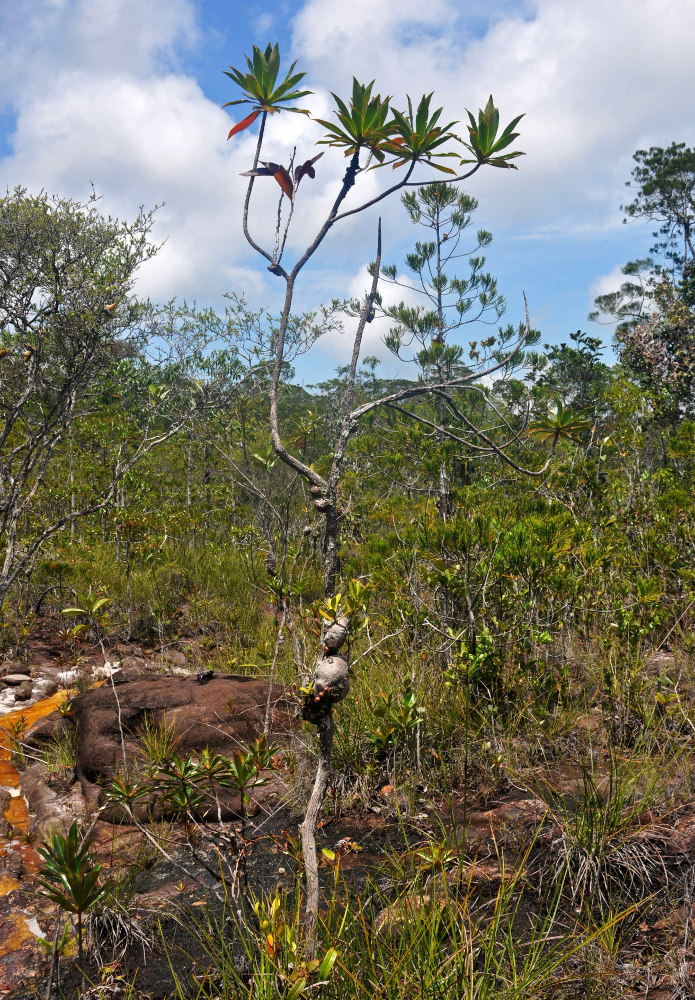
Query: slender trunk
[(53, 969), (443, 488), (443, 477), (129, 603), (347, 426), (472, 627), (330, 547), (207, 475), (273, 667), (80, 951), (307, 829), (73, 508), (189, 471), (10, 547)]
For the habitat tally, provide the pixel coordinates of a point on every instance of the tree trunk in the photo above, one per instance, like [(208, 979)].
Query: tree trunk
[(73, 507), (189, 471), (330, 547), (307, 829)]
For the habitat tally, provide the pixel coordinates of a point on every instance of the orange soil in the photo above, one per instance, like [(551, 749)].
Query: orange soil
[(15, 932)]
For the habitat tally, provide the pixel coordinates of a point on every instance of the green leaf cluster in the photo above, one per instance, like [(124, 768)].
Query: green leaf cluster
[(363, 122), (484, 144), (69, 875), (259, 84)]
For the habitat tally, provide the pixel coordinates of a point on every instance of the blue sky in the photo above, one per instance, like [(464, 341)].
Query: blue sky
[(127, 95)]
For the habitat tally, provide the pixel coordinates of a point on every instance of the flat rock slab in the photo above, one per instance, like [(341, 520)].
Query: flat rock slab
[(223, 713), (14, 680)]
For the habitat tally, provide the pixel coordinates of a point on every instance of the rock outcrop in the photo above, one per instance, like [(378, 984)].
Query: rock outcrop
[(221, 713)]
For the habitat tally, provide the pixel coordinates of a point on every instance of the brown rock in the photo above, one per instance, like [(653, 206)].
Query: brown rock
[(221, 714), (51, 810), (42, 664), (661, 661), (50, 728), (509, 822), (127, 649), (174, 657), (46, 686), (5, 799), (680, 839), (164, 895), (24, 691), (14, 680), (133, 663), (52, 671), (14, 866)]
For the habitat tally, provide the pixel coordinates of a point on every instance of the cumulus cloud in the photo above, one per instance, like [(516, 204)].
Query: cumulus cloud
[(110, 109), (605, 284), (589, 99), (104, 92)]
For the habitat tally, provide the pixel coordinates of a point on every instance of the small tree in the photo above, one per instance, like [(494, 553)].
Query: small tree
[(659, 352), (665, 183), (654, 307), (71, 338), (426, 334), (371, 133), (574, 372), (69, 877)]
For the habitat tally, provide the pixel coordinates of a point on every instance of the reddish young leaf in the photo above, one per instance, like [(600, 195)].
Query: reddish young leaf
[(306, 169), (276, 170), (240, 126), (283, 178), (265, 170)]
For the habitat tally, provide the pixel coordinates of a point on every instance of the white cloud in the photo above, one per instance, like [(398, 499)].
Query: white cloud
[(605, 284), (101, 96), (578, 71), (140, 141), (105, 111), (40, 40)]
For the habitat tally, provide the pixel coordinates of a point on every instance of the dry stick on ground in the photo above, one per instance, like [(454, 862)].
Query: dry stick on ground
[(54, 958)]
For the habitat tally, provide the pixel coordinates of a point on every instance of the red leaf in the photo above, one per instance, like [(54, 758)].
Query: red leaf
[(283, 178), (240, 126), (307, 168)]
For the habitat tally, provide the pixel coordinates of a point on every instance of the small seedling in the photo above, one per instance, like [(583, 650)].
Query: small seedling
[(69, 877)]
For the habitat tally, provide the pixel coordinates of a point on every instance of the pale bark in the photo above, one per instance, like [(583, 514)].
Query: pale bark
[(307, 828)]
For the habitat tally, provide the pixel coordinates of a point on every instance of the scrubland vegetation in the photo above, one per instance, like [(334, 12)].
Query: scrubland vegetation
[(505, 536)]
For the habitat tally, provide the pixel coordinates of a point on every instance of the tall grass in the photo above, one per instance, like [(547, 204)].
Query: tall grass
[(444, 935)]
